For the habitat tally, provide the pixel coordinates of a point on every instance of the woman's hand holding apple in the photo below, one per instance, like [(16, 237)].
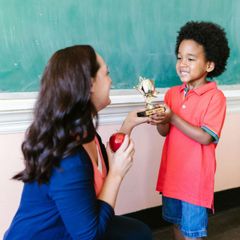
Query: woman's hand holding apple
[(116, 140), (121, 161)]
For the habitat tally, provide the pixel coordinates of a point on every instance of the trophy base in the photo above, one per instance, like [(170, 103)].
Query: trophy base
[(149, 112)]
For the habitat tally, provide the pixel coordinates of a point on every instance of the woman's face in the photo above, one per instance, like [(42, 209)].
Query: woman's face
[(101, 86)]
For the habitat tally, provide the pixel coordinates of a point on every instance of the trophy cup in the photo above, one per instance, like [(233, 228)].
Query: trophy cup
[(147, 89)]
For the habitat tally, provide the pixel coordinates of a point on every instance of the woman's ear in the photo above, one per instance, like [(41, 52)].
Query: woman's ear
[(210, 66)]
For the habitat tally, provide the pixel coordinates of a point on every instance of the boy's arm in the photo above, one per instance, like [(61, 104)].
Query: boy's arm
[(211, 125), (195, 133), (164, 119)]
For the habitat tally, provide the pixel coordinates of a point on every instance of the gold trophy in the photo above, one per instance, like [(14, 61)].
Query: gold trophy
[(147, 89)]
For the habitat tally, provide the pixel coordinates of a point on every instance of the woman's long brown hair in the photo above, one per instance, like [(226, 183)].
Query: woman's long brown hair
[(63, 115)]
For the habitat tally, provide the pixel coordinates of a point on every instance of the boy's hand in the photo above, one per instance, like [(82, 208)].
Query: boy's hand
[(161, 118)]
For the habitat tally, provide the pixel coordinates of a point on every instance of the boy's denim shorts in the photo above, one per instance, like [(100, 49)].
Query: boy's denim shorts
[(191, 220)]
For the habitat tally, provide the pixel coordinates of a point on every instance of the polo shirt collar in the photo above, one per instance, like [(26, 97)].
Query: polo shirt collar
[(202, 89)]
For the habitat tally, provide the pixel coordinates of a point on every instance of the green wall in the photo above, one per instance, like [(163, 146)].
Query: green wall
[(135, 37)]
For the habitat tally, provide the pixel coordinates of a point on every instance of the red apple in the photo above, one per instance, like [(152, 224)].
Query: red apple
[(116, 140)]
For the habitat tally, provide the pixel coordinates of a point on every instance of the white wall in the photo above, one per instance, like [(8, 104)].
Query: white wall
[(138, 189)]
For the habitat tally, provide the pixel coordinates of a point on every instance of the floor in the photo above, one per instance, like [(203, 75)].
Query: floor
[(222, 226)]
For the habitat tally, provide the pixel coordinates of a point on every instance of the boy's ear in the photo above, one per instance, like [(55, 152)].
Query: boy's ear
[(210, 66)]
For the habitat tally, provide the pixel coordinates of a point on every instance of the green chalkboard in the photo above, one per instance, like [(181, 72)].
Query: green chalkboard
[(135, 37)]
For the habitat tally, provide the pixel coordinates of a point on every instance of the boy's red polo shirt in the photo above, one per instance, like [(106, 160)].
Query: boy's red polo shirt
[(188, 167)]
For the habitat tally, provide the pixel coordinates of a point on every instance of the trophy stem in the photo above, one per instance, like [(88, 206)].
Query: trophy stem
[(149, 106)]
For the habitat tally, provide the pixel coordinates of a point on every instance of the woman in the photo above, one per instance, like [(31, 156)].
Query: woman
[(70, 181)]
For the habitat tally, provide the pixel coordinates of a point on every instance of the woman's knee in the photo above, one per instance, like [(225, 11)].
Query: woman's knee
[(125, 228)]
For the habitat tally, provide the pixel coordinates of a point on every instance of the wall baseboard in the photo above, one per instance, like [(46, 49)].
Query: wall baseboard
[(16, 109), (224, 200)]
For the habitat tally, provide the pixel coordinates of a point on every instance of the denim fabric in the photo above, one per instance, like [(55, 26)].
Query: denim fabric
[(192, 220)]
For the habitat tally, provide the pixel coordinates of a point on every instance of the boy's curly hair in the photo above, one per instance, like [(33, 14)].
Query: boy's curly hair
[(213, 39)]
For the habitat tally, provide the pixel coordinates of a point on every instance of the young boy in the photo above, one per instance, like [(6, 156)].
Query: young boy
[(192, 123)]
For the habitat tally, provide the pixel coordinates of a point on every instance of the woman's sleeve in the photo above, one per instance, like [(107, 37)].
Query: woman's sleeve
[(72, 190)]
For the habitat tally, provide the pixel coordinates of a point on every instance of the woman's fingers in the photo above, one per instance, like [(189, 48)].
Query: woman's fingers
[(125, 144), (108, 149)]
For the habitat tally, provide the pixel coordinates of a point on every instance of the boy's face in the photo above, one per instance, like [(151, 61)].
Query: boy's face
[(192, 66)]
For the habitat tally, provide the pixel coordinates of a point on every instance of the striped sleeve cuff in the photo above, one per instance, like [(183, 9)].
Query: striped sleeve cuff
[(211, 133)]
